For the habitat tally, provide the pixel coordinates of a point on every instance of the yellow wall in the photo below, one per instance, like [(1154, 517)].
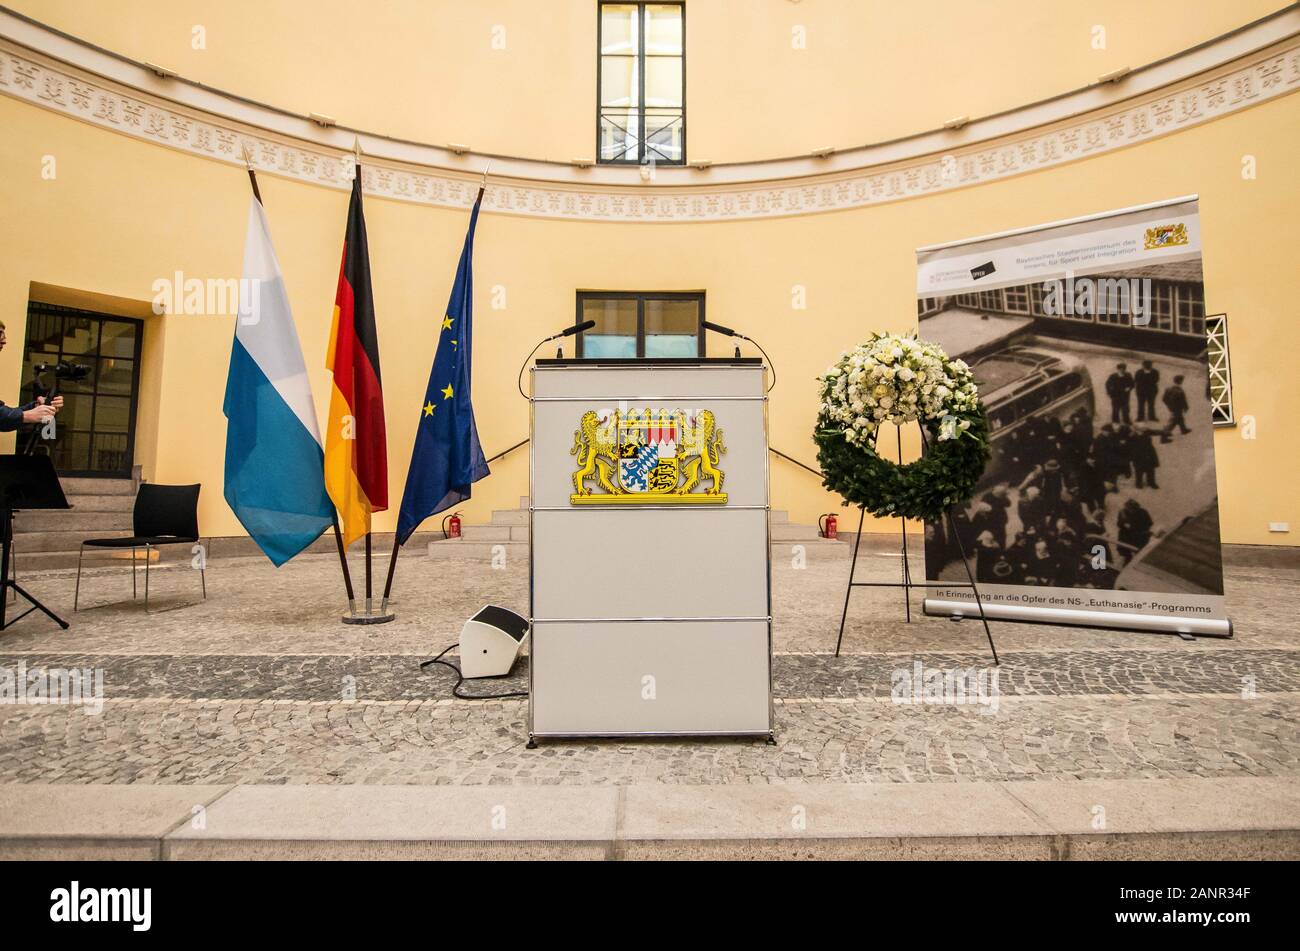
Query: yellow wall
[(122, 213), (428, 70)]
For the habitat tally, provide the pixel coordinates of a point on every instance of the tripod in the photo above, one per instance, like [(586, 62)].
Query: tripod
[(907, 584), (26, 482)]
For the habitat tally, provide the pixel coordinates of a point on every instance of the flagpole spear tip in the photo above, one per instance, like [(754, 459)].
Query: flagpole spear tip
[(356, 148), (248, 156)]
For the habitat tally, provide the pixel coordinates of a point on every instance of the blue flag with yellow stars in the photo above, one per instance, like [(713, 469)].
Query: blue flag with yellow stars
[(447, 458)]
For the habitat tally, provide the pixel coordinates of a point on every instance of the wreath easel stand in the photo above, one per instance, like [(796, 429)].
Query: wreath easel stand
[(907, 584)]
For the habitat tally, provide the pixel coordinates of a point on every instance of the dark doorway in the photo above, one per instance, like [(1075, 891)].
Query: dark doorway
[(95, 435)]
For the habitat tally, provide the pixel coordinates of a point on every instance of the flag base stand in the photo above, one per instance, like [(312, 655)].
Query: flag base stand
[(369, 615)]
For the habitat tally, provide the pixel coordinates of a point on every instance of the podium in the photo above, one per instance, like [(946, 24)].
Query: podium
[(649, 552)]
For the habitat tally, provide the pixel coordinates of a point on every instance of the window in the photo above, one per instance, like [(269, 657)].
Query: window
[(641, 84), (631, 324), (1037, 293), (1161, 306), (1191, 310), (1017, 299), (95, 432), (1216, 331)]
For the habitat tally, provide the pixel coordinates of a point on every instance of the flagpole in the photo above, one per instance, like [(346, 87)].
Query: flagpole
[(338, 536), (392, 566), (368, 587), (392, 560)]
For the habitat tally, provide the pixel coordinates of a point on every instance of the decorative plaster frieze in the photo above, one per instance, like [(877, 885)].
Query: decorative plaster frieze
[(62, 88)]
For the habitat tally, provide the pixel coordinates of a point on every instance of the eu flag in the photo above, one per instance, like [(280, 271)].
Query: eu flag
[(447, 458)]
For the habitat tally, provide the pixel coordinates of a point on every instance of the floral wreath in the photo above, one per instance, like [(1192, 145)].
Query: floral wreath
[(900, 379)]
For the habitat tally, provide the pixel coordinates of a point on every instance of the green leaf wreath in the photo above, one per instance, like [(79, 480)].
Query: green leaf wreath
[(900, 379)]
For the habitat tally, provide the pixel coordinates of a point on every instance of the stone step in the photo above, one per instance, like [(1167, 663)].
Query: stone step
[(76, 485), (488, 533), (786, 531), (510, 517), (102, 503), (470, 549), (32, 563), (71, 520), (464, 549), (61, 541)]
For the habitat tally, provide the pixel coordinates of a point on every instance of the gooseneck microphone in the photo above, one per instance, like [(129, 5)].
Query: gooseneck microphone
[(728, 332), (566, 332)]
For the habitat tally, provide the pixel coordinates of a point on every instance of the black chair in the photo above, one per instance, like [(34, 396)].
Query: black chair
[(163, 515)]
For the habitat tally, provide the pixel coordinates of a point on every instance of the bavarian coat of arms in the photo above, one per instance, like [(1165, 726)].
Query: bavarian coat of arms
[(651, 456)]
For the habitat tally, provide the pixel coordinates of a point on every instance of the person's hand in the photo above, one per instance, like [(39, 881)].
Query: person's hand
[(57, 403), (39, 413)]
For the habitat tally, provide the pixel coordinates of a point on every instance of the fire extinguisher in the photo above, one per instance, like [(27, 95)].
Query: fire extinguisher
[(451, 526), (827, 526)]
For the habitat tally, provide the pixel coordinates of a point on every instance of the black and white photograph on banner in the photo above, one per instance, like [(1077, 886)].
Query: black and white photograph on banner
[(1096, 385)]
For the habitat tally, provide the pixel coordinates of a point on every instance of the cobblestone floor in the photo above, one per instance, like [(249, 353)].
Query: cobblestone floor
[(248, 687)]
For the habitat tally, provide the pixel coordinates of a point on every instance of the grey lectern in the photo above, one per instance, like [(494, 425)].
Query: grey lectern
[(649, 553)]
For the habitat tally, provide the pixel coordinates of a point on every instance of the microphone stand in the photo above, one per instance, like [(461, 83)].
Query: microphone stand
[(559, 351), (728, 332)]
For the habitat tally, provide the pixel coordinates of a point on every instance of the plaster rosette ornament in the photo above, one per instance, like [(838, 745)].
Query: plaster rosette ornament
[(899, 379)]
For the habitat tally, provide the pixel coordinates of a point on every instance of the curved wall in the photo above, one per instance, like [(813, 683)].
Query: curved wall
[(518, 77), (123, 212)]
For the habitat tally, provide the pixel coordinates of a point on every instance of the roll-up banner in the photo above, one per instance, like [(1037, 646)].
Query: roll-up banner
[(1087, 339)]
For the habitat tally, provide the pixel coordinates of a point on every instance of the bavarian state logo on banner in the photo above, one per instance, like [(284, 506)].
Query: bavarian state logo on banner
[(651, 456)]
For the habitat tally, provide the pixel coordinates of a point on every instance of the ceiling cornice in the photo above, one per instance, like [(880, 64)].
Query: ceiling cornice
[(1254, 64)]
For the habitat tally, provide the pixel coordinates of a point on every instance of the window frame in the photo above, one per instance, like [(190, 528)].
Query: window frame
[(640, 297), (640, 107), (1216, 332)]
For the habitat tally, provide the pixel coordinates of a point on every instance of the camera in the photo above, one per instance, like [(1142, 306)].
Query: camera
[(63, 370)]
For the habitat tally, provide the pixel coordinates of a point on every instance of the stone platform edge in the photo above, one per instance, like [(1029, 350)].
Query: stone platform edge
[(1245, 818)]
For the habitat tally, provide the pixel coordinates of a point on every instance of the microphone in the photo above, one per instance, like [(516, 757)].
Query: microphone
[(570, 331), (728, 332), (566, 332)]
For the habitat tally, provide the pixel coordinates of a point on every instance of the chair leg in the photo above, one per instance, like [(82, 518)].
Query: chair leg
[(203, 573), (133, 591), (76, 597), (147, 553)]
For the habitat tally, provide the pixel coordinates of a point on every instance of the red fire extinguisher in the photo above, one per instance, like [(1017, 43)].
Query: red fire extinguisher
[(451, 526), (827, 525)]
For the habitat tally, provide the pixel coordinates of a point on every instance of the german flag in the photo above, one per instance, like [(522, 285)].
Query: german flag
[(356, 450)]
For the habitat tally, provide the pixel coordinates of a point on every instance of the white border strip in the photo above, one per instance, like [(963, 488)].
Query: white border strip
[(1164, 624), (1099, 216)]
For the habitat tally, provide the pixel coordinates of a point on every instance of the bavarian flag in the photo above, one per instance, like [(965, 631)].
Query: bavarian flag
[(356, 449), (274, 481), (447, 457)]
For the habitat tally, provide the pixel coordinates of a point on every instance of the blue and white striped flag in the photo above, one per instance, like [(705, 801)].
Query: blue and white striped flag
[(275, 476)]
